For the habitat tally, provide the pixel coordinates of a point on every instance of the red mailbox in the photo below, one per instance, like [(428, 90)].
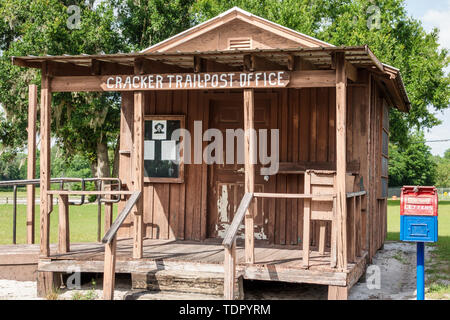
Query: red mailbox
[(419, 214), (419, 201)]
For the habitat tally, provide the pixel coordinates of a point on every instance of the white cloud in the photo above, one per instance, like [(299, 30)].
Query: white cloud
[(441, 20)]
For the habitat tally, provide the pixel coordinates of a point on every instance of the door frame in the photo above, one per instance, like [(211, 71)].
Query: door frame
[(239, 96)]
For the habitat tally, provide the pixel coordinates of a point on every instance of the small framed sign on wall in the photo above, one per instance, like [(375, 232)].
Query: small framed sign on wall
[(163, 149)]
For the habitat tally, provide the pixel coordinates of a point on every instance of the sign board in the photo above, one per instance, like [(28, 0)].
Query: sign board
[(190, 81)]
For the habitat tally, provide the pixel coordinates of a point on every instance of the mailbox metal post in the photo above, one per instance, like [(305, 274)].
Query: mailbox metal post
[(420, 271)]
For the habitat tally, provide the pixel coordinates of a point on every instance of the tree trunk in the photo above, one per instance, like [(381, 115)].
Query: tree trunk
[(103, 167), (94, 169)]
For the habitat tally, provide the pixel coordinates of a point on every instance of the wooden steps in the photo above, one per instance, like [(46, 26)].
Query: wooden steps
[(184, 283)]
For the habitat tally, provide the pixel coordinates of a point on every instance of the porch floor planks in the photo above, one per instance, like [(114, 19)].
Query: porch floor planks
[(285, 261), (209, 252)]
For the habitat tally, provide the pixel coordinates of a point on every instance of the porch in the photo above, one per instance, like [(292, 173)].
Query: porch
[(272, 262), (332, 129)]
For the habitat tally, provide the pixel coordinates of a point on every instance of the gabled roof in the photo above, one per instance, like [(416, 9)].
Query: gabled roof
[(303, 40), (166, 56)]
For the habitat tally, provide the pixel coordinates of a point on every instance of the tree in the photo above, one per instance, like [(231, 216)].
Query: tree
[(40, 27), (81, 122), (148, 22), (385, 26), (12, 166), (413, 164), (443, 170)]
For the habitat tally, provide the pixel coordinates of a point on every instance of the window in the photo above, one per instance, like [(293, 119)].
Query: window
[(163, 151)]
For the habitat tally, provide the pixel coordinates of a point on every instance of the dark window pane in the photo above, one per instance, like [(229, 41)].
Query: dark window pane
[(386, 117), (385, 147), (384, 166), (384, 187)]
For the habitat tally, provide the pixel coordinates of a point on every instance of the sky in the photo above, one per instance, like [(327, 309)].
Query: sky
[(435, 13)]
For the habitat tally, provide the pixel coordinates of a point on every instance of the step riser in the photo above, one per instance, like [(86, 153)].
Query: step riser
[(183, 284)]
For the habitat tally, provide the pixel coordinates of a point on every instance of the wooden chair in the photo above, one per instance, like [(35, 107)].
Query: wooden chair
[(319, 183), (321, 210)]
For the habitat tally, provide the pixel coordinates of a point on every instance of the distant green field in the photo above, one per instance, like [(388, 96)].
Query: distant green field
[(83, 223)]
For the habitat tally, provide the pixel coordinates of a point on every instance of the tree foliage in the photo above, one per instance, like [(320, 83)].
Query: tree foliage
[(84, 121), (143, 23), (443, 170), (80, 121), (413, 164)]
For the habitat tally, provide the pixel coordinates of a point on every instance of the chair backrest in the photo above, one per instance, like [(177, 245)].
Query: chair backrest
[(321, 183)]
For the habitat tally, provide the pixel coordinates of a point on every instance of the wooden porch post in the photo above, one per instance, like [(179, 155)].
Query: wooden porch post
[(249, 126), (230, 272), (64, 232), (341, 161), (138, 171), (46, 101), (31, 166), (109, 272)]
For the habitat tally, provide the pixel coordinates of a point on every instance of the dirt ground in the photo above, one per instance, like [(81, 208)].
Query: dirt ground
[(391, 277)]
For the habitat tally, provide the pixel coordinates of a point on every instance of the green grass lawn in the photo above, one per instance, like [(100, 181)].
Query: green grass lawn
[(438, 262), (21, 193), (83, 223)]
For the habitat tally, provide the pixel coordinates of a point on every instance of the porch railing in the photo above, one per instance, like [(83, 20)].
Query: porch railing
[(357, 234), (99, 182), (110, 241)]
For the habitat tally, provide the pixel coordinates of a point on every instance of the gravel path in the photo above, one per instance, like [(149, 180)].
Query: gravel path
[(396, 267), (17, 290)]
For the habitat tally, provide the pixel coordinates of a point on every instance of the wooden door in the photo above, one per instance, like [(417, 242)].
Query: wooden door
[(226, 181)]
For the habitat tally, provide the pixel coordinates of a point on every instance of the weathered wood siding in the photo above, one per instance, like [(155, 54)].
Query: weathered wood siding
[(306, 120), (172, 210), (218, 38), (378, 198)]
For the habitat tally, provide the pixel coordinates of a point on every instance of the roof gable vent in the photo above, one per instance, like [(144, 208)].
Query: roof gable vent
[(240, 44)]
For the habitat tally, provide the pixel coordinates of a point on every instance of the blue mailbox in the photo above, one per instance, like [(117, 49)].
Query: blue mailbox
[(419, 214), (419, 223)]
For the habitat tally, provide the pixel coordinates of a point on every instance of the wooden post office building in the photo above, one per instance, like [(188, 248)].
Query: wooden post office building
[(320, 219)]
